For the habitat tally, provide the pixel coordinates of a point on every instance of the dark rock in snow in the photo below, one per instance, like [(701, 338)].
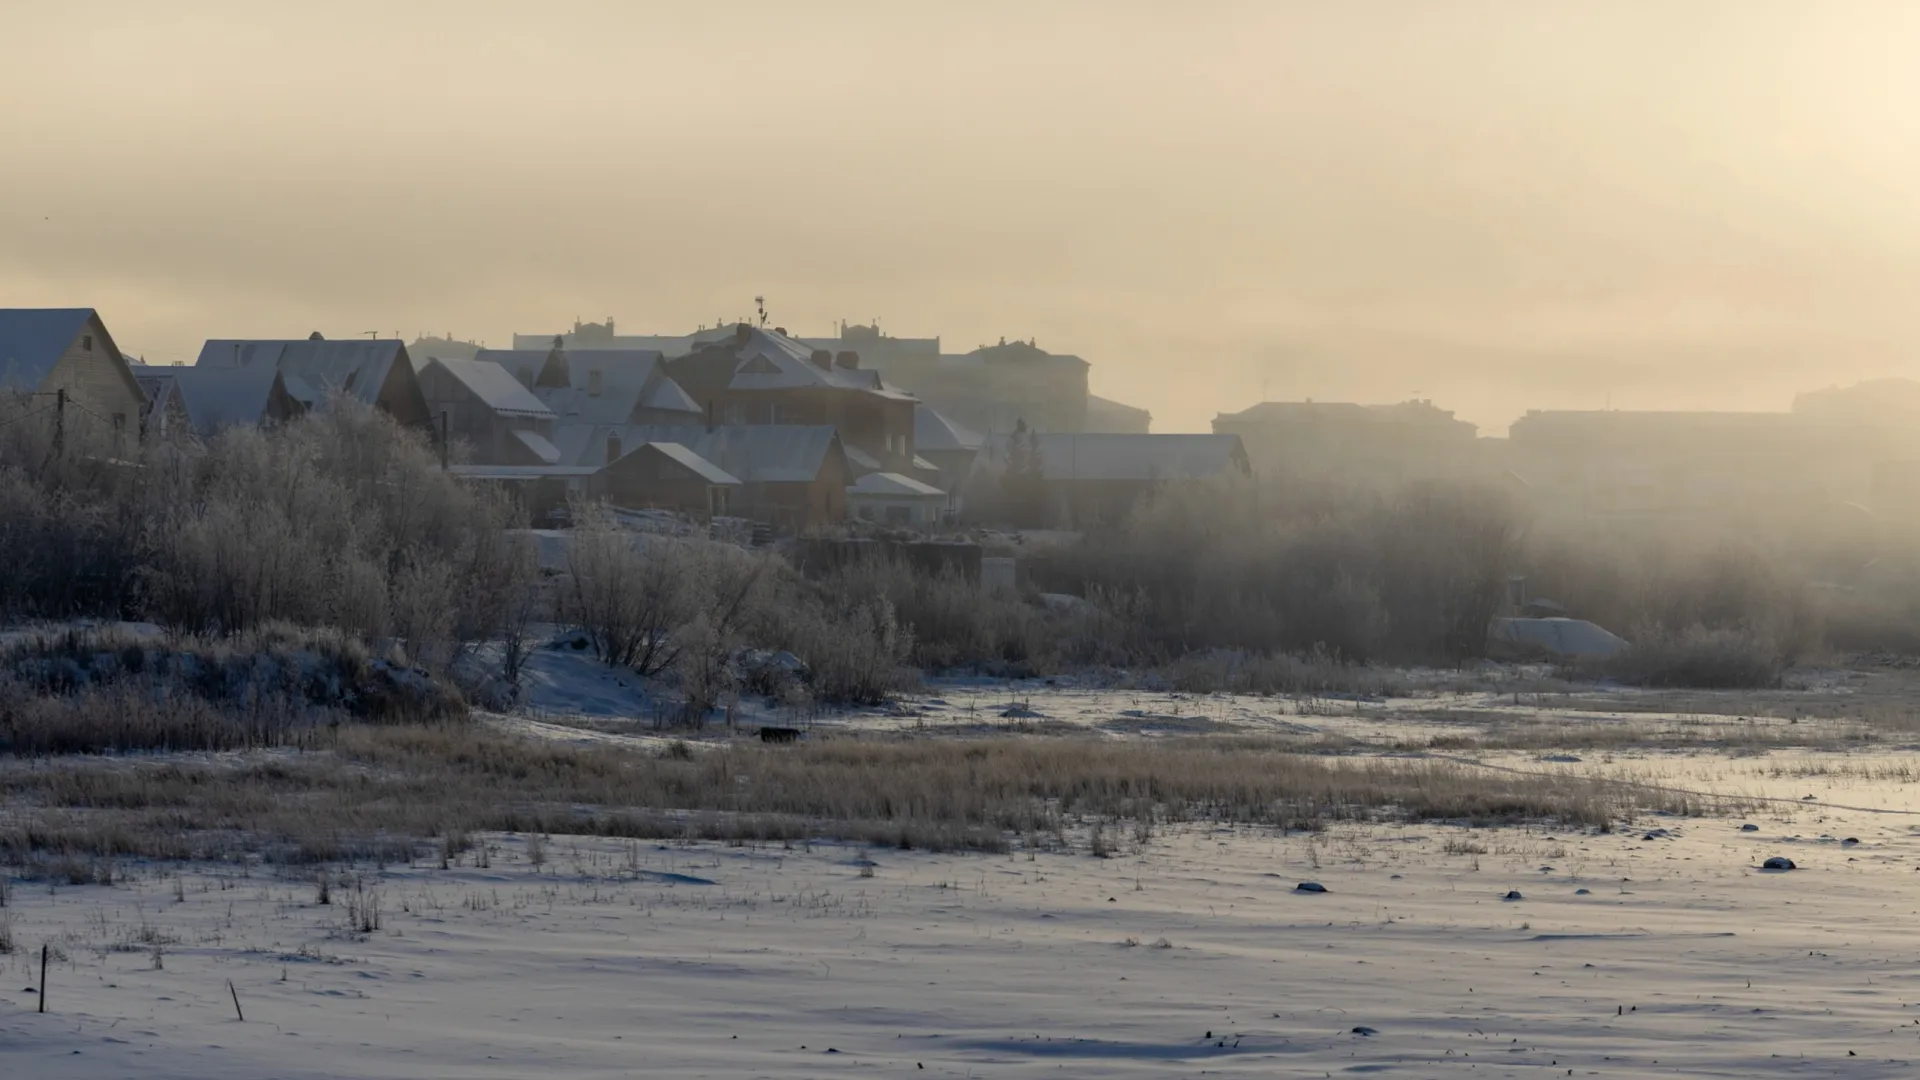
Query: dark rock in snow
[(1849, 841), (1583, 892), (1513, 894), (1749, 827), (1364, 1030), (1778, 862), (1309, 886)]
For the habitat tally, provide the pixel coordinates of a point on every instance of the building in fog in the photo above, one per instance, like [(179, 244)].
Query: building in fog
[(756, 376), (992, 389), (1092, 479), (1348, 442), (1108, 417), (1730, 466)]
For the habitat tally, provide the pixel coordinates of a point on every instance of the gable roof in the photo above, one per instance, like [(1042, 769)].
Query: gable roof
[(1134, 457), (32, 341), (218, 398), (894, 486), (667, 396), (753, 358), (358, 369), (932, 431), (538, 445), (494, 387), (755, 453), (699, 466), (630, 379)]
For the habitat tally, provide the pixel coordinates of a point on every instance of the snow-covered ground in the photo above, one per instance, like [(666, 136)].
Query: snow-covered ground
[(1190, 953)]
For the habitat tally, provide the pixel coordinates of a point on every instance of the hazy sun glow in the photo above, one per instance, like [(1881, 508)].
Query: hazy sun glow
[(1495, 205)]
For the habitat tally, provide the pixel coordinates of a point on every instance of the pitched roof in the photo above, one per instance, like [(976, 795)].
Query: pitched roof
[(538, 445), (755, 453), (1020, 352), (752, 358), (32, 341), (1116, 413), (495, 388), (894, 486), (1134, 457), (356, 368), (218, 398), (629, 378), (667, 396), (932, 431), (699, 466)]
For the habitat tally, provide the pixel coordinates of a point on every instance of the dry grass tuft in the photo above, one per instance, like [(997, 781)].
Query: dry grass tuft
[(396, 792)]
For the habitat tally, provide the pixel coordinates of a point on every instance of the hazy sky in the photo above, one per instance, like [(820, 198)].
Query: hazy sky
[(1657, 204)]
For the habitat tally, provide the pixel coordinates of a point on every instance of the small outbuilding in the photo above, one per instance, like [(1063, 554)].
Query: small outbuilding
[(666, 476), (895, 499)]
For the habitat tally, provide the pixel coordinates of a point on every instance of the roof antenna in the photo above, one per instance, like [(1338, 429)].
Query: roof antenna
[(372, 334), (760, 304)]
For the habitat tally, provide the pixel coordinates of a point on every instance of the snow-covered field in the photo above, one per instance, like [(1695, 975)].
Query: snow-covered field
[(1188, 953), (1437, 950)]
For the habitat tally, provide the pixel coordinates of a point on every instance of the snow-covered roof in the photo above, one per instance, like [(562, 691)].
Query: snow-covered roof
[(699, 466), (32, 341), (539, 446), (755, 453), (356, 368), (667, 396), (860, 459), (217, 398), (894, 486), (629, 380), (1134, 457), (932, 431), (495, 388)]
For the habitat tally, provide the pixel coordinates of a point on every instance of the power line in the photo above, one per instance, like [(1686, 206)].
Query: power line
[(27, 417)]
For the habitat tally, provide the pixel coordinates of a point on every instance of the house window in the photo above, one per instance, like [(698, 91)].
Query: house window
[(593, 383), (86, 342)]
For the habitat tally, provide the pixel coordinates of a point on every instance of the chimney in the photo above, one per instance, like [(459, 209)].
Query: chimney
[(781, 330), (609, 326), (849, 360), (315, 336), (823, 359), (613, 449), (742, 333)]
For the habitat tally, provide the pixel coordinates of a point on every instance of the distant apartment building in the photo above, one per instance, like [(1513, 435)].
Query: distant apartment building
[(1348, 442), (1727, 466)]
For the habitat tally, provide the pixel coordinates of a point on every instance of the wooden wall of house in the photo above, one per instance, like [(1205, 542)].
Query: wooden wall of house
[(649, 480), (400, 395), (95, 376)]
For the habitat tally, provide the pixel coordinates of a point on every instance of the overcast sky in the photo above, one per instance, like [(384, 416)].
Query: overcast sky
[(1493, 205)]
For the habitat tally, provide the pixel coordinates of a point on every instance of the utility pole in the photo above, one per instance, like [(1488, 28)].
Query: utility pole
[(443, 440), (59, 421)]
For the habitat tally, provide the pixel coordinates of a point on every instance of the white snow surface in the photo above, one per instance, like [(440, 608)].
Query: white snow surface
[(1189, 954)]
